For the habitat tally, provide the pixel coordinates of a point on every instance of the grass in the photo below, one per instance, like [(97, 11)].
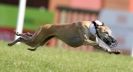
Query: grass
[(34, 17), (19, 59)]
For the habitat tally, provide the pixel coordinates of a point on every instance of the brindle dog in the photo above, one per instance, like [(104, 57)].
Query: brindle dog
[(74, 34)]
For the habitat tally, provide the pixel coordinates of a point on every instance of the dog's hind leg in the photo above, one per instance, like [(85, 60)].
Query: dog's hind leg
[(36, 39), (24, 34), (34, 48), (24, 37), (41, 36), (15, 41)]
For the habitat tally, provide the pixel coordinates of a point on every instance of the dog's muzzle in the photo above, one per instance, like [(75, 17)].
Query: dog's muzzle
[(109, 40)]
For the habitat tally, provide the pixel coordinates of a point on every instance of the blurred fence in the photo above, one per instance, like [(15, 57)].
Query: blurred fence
[(69, 15)]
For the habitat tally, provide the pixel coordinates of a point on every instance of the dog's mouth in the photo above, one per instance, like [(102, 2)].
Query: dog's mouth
[(109, 40)]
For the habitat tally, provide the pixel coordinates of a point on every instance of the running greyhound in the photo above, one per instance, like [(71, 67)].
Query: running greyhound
[(73, 34)]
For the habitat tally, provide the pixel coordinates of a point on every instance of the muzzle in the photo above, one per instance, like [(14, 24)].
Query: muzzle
[(109, 40), (105, 37)]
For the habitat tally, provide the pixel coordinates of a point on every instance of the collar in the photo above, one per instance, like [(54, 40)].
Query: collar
[(92, 29), (93, 26)]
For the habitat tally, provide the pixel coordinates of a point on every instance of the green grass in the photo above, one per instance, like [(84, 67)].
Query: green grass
[(34, 17), (19, 59)]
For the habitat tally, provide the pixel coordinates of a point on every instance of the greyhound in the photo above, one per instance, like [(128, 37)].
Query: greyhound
[(73, 34)]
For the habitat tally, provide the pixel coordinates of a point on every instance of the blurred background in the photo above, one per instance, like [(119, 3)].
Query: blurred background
[(118, 14)]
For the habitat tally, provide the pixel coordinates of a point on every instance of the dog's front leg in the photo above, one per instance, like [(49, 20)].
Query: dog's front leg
[(110, 51), (115, 51)]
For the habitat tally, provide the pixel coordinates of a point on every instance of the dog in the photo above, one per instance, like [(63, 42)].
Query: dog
[(73, 34)]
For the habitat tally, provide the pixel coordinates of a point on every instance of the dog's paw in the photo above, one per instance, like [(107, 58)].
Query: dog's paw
[(115, 52), (32, 49), (10, 44)]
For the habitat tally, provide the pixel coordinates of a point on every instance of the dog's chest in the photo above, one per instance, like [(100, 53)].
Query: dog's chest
[(75, 40)]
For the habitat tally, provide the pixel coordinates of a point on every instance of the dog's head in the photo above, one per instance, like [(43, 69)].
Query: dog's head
[(105, 34)]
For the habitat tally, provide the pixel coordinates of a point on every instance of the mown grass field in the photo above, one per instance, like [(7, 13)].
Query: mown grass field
[(19, 59)]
